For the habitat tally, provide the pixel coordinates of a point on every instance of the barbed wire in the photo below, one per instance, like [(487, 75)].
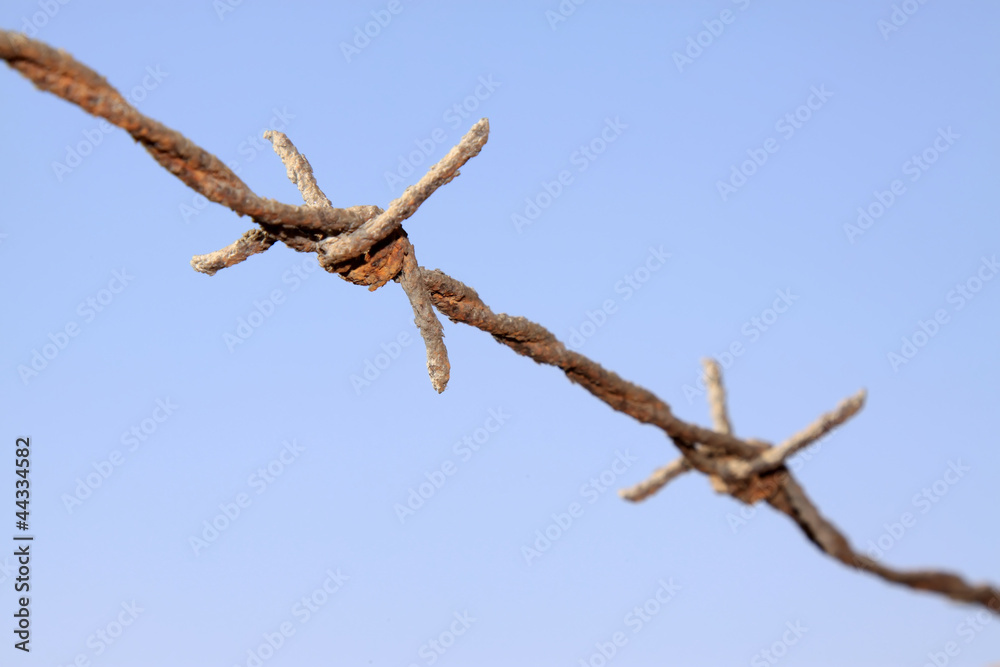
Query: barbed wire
[(367, 245)]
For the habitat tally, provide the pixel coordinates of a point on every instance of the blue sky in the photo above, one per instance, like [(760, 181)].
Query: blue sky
[(804, 186)]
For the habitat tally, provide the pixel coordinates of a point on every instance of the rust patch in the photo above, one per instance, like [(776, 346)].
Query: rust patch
[(753, 490), (379, 265)]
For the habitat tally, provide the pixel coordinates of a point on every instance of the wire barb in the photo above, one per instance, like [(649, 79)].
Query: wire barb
[(659, 479), (252, 242), (299, 170), (411, 279), (716, 396), (374, 230)]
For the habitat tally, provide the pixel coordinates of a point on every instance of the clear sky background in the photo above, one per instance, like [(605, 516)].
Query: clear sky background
[(643, 110)]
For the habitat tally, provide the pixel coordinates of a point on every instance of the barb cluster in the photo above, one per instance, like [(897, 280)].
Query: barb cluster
[(745, 475), (367, 245)]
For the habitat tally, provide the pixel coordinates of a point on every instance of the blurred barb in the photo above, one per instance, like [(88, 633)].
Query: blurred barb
[(716, 396), (720, 421), (659, 479), (374, 249), (776, 456)]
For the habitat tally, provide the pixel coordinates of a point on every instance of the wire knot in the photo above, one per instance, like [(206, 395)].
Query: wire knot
[(377, 266)]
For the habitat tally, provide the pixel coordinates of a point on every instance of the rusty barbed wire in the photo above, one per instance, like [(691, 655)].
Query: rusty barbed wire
[(367, 245)]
